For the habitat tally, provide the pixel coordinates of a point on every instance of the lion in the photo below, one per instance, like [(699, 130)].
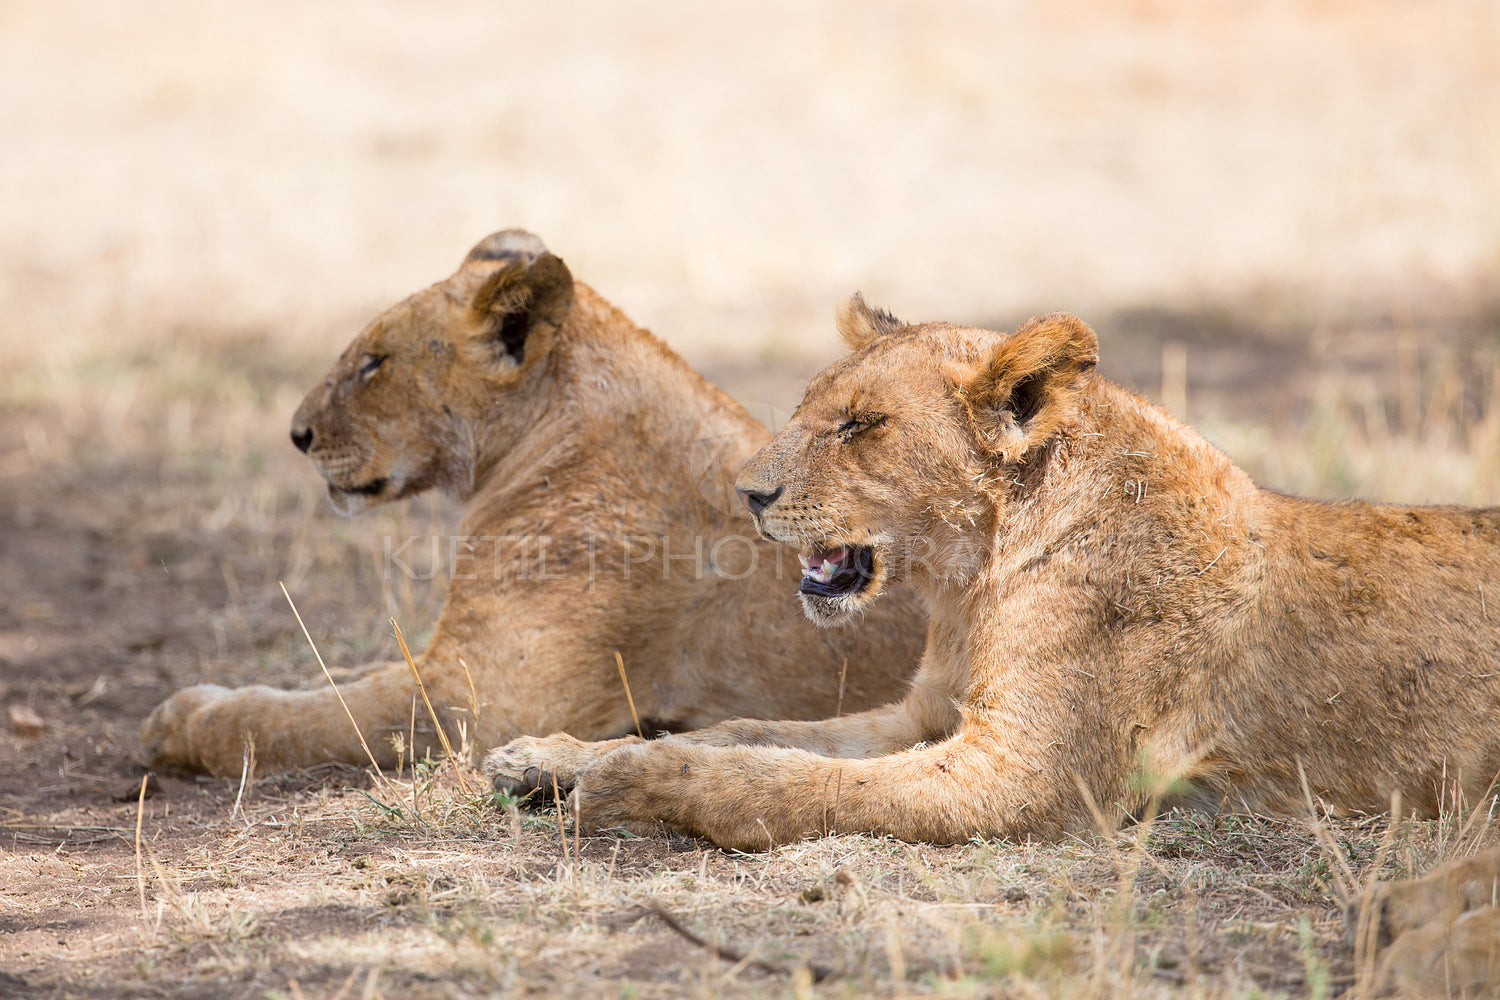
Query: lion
[(1117, 616), (596, 469), (1438, 935)]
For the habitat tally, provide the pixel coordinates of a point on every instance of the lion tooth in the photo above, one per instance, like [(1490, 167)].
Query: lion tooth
[(806, 562)]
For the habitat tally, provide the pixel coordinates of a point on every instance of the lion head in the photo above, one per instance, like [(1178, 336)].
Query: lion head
[(419, 398), (901, 458)]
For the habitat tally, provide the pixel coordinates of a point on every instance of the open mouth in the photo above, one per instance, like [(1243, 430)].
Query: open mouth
[(373, 488), (838, 572)]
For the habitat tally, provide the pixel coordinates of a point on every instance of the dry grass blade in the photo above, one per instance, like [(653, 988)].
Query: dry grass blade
[(1466, 839), (562, 832), (1107, 829), (620, 663), (140, 874), (348, 982), (357, 731), (1366, 927), (838, 709), (1346, 882), (473, 691), (442, 734), (411, 744), (247, 769)]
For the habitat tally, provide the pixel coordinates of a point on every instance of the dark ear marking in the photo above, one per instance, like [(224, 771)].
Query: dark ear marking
[(1026, 398), (507, 244), (512, 335), (524, 296)]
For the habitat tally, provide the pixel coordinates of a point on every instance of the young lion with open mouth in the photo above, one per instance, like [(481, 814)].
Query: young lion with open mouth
[(596, 470), (1109, 597)]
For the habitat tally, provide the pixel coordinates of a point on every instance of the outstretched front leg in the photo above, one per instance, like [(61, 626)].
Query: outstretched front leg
[(752, 798), (204, 728), (927, 714), (531, 763)]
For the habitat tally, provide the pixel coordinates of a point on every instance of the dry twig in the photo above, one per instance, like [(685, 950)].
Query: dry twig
[(820, 973)]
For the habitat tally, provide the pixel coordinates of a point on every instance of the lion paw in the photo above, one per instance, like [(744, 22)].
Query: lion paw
[(537, 766), (1440, 932)]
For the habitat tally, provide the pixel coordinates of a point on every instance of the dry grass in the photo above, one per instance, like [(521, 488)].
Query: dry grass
[(1281, 217), (427, 891)]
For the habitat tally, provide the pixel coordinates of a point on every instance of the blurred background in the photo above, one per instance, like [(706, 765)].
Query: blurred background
[(181, 174), (1282, 217), (726, 173)]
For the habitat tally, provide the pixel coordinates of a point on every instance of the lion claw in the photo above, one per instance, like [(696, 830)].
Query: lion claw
[(535, 768)]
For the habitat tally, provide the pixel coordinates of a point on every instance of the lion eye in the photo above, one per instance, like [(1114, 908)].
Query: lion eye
[(371, 365), (856, 424)]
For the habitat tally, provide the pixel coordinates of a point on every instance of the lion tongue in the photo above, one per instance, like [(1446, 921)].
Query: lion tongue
[(822, 566)]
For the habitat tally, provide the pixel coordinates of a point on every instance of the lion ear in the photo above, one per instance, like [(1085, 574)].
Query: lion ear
[(1031, 385), (858, 323), (507, 244), (530, 292)]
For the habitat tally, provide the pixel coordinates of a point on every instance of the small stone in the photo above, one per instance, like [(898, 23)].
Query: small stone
[(25, 721)]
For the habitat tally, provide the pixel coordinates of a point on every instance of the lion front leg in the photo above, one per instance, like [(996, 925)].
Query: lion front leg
[(1438, 935), (529, 764), (753, 798), (871, 733), (204, 728)]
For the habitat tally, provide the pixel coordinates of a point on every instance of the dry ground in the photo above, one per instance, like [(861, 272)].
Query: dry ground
[(1284, 221), (145, 530)]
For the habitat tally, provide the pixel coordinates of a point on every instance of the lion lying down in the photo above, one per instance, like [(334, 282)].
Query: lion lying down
[(597, 470), (1108, 595)]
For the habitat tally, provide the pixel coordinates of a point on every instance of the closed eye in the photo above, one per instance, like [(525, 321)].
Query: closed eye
[(370, 365), (860, 422)]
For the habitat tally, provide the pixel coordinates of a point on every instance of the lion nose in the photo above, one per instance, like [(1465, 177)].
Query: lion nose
[(302, 438), (759, 500)]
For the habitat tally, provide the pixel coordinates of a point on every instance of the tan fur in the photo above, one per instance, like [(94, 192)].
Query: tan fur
[(1434, 936), (597, 472), (1113, 605)]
